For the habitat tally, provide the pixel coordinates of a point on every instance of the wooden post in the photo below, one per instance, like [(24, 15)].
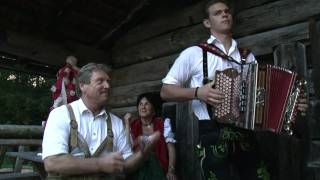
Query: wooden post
[(292, 56), (291, 151), (187, 139), (19, 161), (3, 150)]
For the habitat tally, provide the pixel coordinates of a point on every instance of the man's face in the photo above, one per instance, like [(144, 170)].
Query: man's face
[(98, 89), (219, 20)]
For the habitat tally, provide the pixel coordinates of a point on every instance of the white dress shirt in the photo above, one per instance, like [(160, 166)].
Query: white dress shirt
[(187, 70), (92, 128)]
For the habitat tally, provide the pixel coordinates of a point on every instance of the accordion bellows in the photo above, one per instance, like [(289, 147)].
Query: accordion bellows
[(257, 99)]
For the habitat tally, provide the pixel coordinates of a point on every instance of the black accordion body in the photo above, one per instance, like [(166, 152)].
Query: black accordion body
[(261, 98)]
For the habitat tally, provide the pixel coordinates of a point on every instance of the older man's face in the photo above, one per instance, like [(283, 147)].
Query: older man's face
[(98, 88)]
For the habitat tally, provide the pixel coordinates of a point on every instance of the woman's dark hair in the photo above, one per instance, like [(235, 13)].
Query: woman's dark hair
[(154, 98)]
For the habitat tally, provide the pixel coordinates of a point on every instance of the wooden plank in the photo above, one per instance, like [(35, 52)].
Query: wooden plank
[(3, 150), (20, 176), (160, 46), (247, 22), (260, 44), (19, 161), (21, 131), (315, 54), (120, 112), (45, 51), (242, 5), (163, 23), (123, 96), (292, 56), (263, 43), (187, 139), (276, 14), (15, 142), (145, 71)]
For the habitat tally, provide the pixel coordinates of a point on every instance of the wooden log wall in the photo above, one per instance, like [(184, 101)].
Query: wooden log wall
[(142, 57)]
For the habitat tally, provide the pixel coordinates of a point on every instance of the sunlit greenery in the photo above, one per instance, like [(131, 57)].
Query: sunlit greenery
[(24, 98)]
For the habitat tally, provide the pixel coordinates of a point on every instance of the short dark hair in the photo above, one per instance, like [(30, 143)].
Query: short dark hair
[(154, 99), (86, 71), (210, 3)]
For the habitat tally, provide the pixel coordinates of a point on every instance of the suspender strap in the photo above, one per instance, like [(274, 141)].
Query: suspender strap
[(107, 143), (73, 128), (205, 67)]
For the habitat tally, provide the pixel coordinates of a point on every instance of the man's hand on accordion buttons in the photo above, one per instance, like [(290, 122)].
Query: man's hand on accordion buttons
[(210, 95)]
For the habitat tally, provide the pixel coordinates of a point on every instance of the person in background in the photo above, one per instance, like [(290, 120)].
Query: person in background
[(82, 140), (64, 89), (161, 163)]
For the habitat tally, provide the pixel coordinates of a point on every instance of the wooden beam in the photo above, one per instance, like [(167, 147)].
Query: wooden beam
[(315, 54), (22, 142), (123, 96), (263, 43), (273, 15), (20, 131), (121, 24), (47, 52), (260, 43), (120, 112), (185, 17), (145, 71)]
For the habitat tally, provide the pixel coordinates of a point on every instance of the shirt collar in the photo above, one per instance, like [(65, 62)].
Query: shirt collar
[(83, 109), (215, 41)]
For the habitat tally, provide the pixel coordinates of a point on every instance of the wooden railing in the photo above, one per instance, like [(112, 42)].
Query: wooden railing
[(23, 137)]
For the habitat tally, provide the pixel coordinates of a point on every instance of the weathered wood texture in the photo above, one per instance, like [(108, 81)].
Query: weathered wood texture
[(127, 95), (20, 131), (254, 20), (187, 139), (145, 71), (189, 16), (186, 17), (315, 54), (120, 112), (275, 14), (128, 81), (47, 52), (22, 142), (292, 56), (261, 43)]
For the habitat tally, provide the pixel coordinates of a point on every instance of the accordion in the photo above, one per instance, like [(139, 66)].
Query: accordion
[(259, 98)]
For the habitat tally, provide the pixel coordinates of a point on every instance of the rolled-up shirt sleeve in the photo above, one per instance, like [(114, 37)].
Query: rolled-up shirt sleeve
[(56, 134), (167, 132), (181, 70)]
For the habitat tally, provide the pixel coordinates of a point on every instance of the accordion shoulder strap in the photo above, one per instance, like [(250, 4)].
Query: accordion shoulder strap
[(215, 50)]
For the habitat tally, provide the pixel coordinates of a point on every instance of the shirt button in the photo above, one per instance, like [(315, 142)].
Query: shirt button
[(94, 134), (91, 149)]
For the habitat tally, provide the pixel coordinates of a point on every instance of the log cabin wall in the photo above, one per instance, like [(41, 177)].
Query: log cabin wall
[(142, 57)]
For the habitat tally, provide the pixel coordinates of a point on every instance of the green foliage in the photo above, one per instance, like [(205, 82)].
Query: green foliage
[(24, 98)]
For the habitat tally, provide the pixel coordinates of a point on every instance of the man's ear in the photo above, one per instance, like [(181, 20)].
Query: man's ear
[(206, 23), (81, 86)]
